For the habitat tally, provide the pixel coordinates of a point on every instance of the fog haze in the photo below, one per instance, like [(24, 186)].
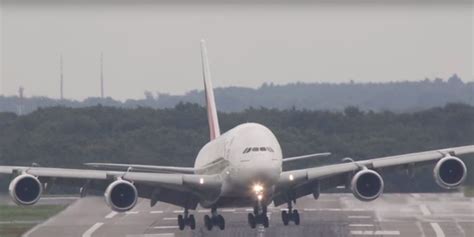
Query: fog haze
[(155, 46)]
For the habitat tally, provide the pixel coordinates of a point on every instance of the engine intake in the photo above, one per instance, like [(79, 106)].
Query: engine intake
[(25, 190), (450, 172), (121, 195), (367, 185)]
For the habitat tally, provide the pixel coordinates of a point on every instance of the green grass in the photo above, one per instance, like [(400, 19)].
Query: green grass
[(19, 214)]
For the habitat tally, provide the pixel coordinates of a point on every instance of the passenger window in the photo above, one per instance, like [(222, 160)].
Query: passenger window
[(263, 149), (245, 151), (255, 149), (270, 149)]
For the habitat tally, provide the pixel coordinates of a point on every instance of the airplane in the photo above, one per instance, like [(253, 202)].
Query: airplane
[(239, 168)]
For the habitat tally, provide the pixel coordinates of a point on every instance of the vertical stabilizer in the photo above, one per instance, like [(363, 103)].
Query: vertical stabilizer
[(210, 101)]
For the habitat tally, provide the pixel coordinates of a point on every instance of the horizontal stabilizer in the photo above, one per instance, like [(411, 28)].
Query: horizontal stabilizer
[(143, 168), (316, 155)]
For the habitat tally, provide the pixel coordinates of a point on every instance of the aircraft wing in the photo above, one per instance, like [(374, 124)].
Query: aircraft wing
[(172, 188), (143, 168), (301, 182)]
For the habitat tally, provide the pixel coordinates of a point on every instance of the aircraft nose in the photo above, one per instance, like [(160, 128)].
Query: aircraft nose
[(266, 171)]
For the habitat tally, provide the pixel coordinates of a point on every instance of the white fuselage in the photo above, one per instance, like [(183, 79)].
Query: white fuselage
[(245, 156)]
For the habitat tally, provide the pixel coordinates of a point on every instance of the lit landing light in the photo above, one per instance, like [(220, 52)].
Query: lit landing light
[(260, 197), (258, 189), (291, 177), (201, 181)]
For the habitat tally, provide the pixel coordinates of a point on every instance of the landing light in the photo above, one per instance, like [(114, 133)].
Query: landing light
[(258, 188), (260, 197), (201, 181), (291, 177)]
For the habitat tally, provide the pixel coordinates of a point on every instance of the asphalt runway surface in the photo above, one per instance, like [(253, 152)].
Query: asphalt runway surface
[(438, 215)]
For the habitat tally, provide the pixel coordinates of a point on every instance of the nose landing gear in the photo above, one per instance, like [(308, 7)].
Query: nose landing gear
[(290, 215), (186, 220), (214, 220), (259, 216)]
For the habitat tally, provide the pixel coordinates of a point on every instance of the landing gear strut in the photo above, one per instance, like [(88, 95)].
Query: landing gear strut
[(214, 220), (259, 216), (186, 220), (290, 215)]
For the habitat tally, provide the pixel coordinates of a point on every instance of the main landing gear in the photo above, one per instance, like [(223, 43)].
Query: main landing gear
[(290, 215), (259, 216), (186, 220), (214, 220)]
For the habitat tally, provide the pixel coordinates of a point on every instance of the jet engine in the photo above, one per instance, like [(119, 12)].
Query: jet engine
[(121, 195), (450, 172), (367, 185), (25, 189)]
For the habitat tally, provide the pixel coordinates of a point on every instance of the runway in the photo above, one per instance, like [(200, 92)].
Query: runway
[(407, 215)]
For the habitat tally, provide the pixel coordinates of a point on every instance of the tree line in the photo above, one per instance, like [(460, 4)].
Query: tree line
[(404, 96)]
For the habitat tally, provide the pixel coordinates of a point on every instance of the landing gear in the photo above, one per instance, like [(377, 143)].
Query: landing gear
[(259, 216), (290, 215), (214, 220), (186, 220)]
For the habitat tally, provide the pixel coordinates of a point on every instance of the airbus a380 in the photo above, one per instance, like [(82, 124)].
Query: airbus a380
[(240, 168)]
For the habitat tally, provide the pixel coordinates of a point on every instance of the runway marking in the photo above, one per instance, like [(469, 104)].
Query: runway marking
[(170, 218), (341, 187), (332, 209), (178, 211), (359, 217), (424, 209), (249, 209), (228, 210), (156, 212), (377, 232), (111, 215), (131, 212), (437, 229), (361, 225), (203, 211), (166, 227), (91, 230)]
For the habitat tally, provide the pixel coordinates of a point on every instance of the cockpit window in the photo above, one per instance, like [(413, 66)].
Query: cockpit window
[(254, 149)]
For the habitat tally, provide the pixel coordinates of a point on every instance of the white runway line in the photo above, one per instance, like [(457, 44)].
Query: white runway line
[(424, 209), (228, 210), (165, 227), (111, 215), (416, 195), (437, 229), (359, 217), (377, 232), (91, 230), (361, 225), (131, 213), (156, 212), (170, 218), (178, 211)]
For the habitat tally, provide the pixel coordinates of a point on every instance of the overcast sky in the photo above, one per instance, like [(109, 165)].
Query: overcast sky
[(154, 45)]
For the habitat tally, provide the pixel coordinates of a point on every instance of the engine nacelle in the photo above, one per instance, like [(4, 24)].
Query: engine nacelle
[(25, 190), (367, 185), (121, 195), (450, 172)]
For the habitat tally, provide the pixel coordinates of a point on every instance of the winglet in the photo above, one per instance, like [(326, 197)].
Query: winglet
[(214, 129)]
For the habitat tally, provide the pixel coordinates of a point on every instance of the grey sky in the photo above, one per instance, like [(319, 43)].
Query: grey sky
[(155, 46)]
